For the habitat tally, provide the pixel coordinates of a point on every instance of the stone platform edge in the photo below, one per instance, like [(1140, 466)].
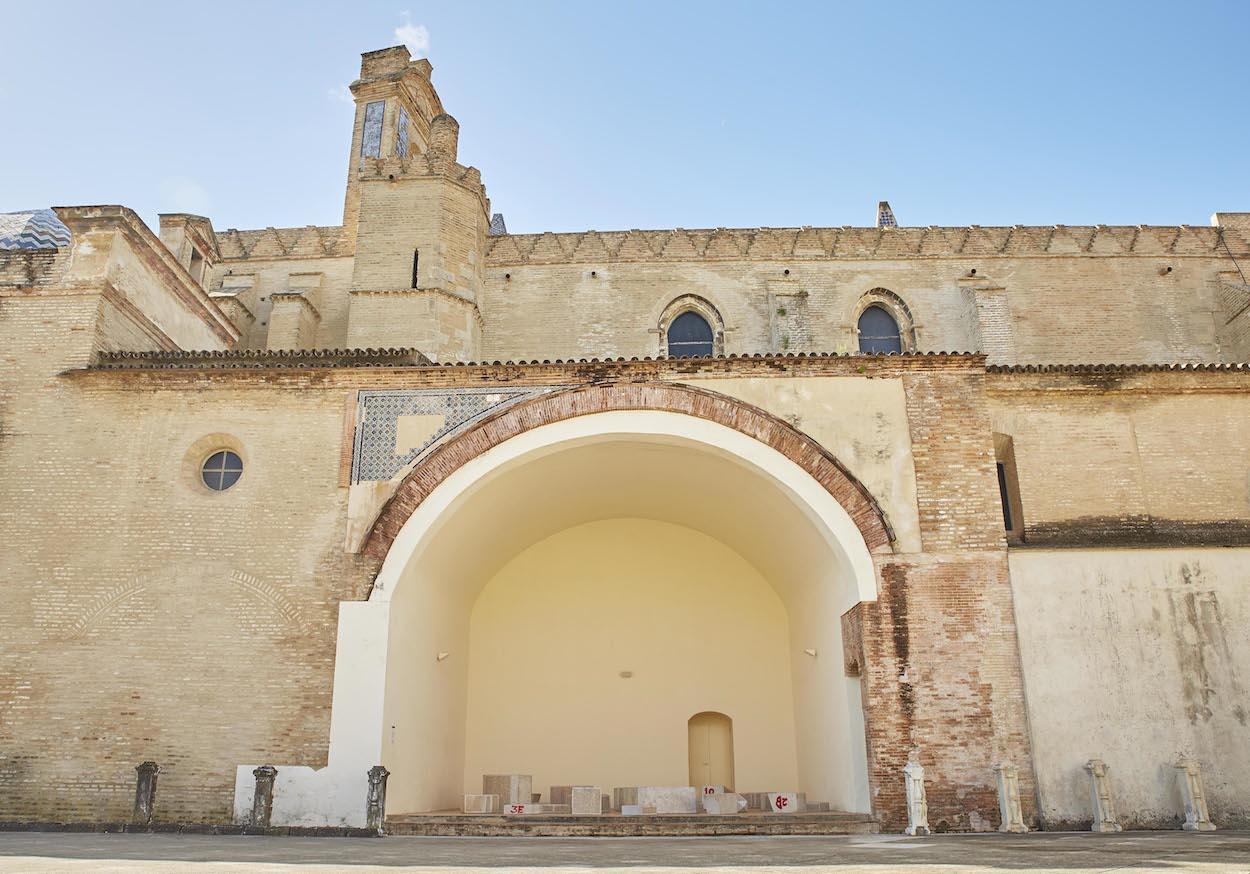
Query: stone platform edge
[(647, 825), (187, 828)]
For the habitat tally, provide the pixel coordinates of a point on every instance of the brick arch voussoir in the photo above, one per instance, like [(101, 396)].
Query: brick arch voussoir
[(570, 403)]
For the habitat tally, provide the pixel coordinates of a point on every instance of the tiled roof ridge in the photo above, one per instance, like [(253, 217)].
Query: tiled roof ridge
[(347, 357), (1198, 366)]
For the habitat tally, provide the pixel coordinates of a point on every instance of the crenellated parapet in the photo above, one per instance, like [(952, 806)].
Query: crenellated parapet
[(430, 165), (733, 244)]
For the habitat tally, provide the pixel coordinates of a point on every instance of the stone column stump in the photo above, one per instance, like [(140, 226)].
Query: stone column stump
[(917, 803), (262, 797), (1012, 818), (145, 792), (1193, 795), (375, 808), (1100, 793)]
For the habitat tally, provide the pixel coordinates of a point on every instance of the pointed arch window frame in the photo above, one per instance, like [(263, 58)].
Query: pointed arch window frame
[(896, 307), (700, 306)]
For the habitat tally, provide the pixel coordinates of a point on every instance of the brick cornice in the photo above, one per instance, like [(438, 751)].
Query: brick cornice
[(558, 406)]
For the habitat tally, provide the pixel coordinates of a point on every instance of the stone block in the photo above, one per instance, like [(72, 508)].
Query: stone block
[(756, 800), (531, 809), (623, 795), (511, 788), (606, 806), (481, 804), (637, 809), (669, 799), (724, 803), (785, 802), (561, 794), (586, 801)]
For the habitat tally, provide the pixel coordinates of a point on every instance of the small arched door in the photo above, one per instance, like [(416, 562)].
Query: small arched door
[(711, 750)]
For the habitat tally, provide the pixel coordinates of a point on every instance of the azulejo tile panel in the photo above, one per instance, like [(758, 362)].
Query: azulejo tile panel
[(374, 456)]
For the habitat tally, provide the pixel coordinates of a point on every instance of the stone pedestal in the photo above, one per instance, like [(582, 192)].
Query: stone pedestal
[(917, 804), (623, 795), (262, 796), (724, 803), (1193, 795), (637, 810), (145, 791), (481, 804), (756, 800), (786, 802), (669, 799), (585, 801), (511, 788), (1100, 794), (1011, 817)]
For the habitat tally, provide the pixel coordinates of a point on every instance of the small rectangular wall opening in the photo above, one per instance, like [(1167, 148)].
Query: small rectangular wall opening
[(416, 266), (1008, 488), (196, 267)]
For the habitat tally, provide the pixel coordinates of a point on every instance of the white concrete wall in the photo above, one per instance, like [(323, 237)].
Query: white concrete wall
[(1136, 657)]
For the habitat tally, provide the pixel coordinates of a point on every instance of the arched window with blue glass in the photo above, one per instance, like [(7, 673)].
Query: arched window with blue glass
[(689, 336), (878, 332), (691, 327), (883, 324)]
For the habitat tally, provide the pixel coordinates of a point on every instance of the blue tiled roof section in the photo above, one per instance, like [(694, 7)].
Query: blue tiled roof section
[(33, 229)]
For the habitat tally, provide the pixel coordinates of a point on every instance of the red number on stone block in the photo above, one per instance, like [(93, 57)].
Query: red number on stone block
[(708, 790), (517, 808), (782, 801)]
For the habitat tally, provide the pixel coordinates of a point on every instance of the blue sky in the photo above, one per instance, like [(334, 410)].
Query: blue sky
[(648, 115)]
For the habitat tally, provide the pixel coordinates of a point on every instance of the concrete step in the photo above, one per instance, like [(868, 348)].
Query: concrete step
[(615, 825)]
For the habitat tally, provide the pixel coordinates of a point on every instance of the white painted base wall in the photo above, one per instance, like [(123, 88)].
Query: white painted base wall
[(307, 797), (1136, 657)]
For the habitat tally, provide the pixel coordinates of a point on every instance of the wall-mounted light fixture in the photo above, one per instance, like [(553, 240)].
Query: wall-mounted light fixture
[(810, 652), (442, 656)]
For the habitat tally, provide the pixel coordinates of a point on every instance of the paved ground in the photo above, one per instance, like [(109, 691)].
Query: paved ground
[(1072, 853)]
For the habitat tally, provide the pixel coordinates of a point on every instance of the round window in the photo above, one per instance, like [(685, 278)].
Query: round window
[(221, 470)]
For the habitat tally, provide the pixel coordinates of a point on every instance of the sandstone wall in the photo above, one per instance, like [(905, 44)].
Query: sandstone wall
[(147, 617), (1052, 308)]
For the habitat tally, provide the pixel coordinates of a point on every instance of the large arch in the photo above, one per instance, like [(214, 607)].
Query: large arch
[(777, 508), (667, 397)]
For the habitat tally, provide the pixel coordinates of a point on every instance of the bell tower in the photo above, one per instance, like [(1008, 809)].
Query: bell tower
[(418, 217)]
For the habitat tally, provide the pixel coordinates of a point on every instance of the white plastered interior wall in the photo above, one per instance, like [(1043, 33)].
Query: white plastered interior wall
[(738, 491)]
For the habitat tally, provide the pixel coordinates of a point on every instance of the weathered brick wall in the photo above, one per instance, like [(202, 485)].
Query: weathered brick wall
[(1129, 457), (941, 672), (941, 682)]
